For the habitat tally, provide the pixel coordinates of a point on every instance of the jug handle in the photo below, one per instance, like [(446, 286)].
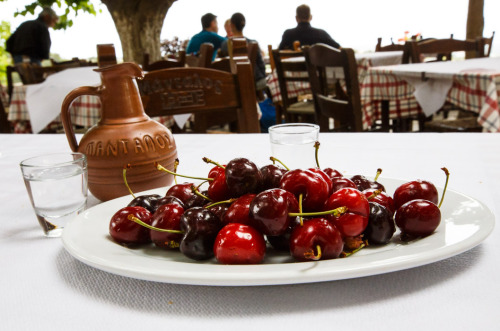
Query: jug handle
[(65, 115)]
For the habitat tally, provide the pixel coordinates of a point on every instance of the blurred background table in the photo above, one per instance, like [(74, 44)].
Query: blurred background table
[(473, 85), (57, 292)]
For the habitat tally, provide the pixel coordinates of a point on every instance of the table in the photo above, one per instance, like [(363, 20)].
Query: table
[(364, 61), (472, 84), (44, 288)]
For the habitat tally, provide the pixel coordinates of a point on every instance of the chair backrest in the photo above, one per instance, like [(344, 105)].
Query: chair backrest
[(332, 98), (202, 91), (165, 63), (485, 45), (439, 49), (29, 73), (106, 55), (388, 48), (4, 123), (290, 67), (204, 57)]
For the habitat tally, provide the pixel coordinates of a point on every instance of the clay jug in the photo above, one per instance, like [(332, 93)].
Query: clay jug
[(124, 135)]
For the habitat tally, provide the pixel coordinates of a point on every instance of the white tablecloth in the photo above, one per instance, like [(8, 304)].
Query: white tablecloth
[(44, 288)]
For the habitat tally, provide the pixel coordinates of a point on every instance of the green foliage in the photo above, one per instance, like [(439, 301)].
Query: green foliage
[(4, 56), (69, 6)]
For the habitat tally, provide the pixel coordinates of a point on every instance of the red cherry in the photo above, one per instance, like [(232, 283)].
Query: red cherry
[(168, 217), (305, 239), (239, 244), (218, 189), (382, 198), (181, 191), (313, 188), (327, 179), (271, 176), (269, 211), (332, 173), (239, 211), (417, 218), (341, 182), (127, 232), (354, 221), (417, 189)]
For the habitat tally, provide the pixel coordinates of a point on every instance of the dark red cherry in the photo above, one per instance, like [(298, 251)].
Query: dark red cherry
[(382, 198), (168, 217), (417, 189), (127, 232), (417, 218), (181, 191), (341, 182), (219, 210), (364, 183), (200, 228), (196, 201), (239, 211), (218, 189), (353, 222), (381, 225), (242, 177), (305, 239), (332, 173), (145, 201), (239, 244), (269, 211), (271, 176)]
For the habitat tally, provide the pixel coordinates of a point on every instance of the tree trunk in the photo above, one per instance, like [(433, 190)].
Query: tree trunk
[(139, 24), (475, 21)]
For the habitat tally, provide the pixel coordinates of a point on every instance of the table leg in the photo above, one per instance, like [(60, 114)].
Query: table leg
[(385, 115)]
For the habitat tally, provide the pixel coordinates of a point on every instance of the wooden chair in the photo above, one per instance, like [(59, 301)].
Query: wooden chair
[(106, 55), (165, 63), (331, 99), (291, 68), (388, 48), (202, 91), (439, 49), (4, 123), (485, 45), (204, 57)]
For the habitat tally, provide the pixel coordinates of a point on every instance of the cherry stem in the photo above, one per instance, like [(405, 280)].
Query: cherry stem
[(207, 160), (445, 185), (300, 209), (197, 192), (128, 166), (138, 221), (176, 164), (220, 203), (272, 158), (161, 168), (374, 194), (379, 171), (310, 254), (316, 147), (346, 254), (334, 212)]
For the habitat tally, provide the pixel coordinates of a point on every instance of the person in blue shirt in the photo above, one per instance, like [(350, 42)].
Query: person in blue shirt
[(207, 35)]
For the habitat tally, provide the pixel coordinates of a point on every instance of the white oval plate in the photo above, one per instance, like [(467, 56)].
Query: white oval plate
[(465, 223)]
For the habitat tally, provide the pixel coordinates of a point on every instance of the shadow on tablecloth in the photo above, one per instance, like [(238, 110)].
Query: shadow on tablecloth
[(207, 301)]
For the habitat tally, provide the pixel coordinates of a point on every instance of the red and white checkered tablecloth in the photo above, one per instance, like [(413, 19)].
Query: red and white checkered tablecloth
[(85, 111), (477, 92)]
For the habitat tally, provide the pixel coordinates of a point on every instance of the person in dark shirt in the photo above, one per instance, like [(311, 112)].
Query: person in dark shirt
[(207, 35), (237, 24), (32, 39), (304, 32)]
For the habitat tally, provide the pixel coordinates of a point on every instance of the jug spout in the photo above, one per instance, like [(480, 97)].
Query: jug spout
[(120, 95)]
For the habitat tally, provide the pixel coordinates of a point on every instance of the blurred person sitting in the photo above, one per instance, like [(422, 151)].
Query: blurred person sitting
[(304, 32), (237, 24), (32, 39), (207, 35), (227, 27)]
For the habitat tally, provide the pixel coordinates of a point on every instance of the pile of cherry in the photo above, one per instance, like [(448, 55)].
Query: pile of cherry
[(311, 213)]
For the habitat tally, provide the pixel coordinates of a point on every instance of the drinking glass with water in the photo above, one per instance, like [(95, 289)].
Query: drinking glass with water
[(57, 187)]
